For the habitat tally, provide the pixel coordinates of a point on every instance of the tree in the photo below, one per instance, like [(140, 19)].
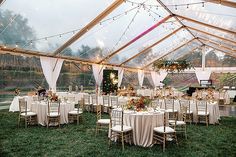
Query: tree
[(16, 32)]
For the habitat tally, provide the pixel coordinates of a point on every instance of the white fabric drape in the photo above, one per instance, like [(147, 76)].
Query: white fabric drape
[(120, 74), (98, 73), (140, 77), (158, 77), (203, 75), (51, 70)]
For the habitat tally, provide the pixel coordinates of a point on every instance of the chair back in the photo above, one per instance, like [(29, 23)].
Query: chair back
[(22, 106), (53, 107), (117, 117), (114, 101), (183, 112), (185, 103), (94, 98), (35, 98), (99, 111), (86, 99), (201, 106), (156, 104), (71, 99), (105, 99), (169, 104)]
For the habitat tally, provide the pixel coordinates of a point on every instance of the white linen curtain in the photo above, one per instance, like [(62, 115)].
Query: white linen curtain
[(140, 77), (157, 77), (120, 74), (98, 73), (203, 75), (51, 70)]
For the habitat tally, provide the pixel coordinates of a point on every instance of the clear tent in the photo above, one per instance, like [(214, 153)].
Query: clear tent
[(54, 25)]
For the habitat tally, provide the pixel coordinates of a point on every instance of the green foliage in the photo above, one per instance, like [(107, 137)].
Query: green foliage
[(80, 140), (18, 32)]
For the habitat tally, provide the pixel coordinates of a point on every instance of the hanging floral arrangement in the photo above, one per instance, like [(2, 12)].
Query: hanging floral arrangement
[(171, 65)]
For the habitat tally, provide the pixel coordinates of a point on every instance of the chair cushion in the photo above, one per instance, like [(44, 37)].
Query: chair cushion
[(53, 114), (189, 112), (161, 129), (170, 110), (106, 105), (172, 122), (117, 128), (29, 114), (75, 112), (104, 121), (202, 113)]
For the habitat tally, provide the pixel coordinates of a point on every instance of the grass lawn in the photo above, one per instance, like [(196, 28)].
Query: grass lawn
[(80, 140)]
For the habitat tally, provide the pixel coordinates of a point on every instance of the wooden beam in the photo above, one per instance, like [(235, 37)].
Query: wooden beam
[(18, 51), (210, 34), (223, 2), (215, 43), (90, 25), (207, 25), (135, 39), (149, 47), (191, 51), (169, 52), (228, 53)]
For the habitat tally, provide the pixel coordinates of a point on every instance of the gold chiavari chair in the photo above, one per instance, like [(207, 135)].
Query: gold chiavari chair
[(94, 103), (160, 134), (170, 108), (101, 123), (53, 115), (202, 112), (118, 130), (106, 103), (24, 113), (180, 125), (189, 113), (114, 102), (87, 104), (75, 114)]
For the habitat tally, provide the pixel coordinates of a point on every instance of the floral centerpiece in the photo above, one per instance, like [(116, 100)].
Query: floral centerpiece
[(138, 104)]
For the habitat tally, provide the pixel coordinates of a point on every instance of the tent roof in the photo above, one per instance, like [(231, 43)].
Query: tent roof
[(128, 33)]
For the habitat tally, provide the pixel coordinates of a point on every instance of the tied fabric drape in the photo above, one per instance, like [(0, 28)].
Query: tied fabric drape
[(120, 75), (98, 73), (158, 77), (140, 77), (203, 75), (51, 70)]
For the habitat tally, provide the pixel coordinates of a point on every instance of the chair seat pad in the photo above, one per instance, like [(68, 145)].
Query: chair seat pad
[(94, 104), (104, 121), (178, 122), (115, 106), (117, 128), (29, 114), (189, 112), (170, 110), (54, 114), (161, 129), (75, 112), (106, 105), (202, 113)]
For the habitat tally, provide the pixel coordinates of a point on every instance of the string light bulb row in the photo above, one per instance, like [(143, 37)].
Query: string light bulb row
[(187, 5), (60, 35)]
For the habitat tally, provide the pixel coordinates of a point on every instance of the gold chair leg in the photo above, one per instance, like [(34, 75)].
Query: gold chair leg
[(164, 143), (122, 140), (25, 122)]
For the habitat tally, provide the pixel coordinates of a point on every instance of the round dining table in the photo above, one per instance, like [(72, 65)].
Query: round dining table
[(41, 108)]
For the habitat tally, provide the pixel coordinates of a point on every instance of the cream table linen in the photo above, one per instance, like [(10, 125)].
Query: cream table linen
[(15, 103), (41, 108)]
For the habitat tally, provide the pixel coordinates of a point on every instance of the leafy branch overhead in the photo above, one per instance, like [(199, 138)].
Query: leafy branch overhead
[(171, 65)]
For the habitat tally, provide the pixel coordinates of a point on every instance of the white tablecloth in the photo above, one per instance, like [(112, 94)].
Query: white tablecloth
[(212, 108), (41, 108), (143, 124), (15, 103), (216, 95)]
